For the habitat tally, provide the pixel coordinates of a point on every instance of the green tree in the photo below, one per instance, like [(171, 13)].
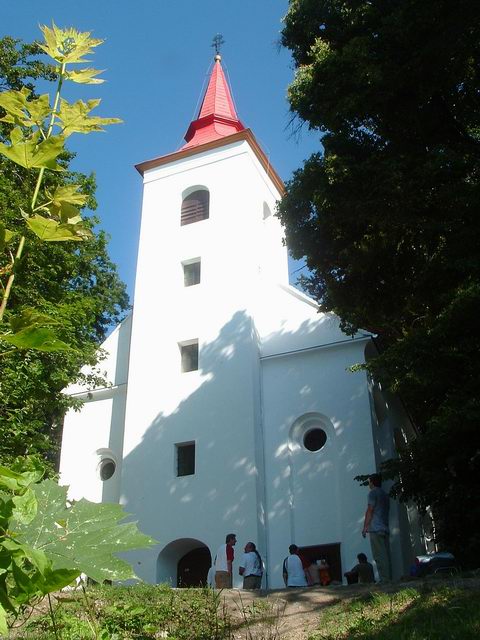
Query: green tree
[(59, 293), (76, 284), (387, 217)]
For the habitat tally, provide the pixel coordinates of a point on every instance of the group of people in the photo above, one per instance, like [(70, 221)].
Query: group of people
[(376, 525), (300, 572), (251, 565)]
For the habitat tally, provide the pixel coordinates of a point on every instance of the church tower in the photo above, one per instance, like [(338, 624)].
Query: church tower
[(192, 427), (231, 408)]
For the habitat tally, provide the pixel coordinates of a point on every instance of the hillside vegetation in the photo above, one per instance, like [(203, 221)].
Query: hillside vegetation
[(427, 611)]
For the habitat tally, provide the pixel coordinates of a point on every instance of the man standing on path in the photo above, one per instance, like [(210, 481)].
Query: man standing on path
[(224, 563), (376, 525), (293, 571)]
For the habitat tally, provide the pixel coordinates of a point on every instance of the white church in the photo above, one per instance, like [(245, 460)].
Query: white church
[(231, 407)]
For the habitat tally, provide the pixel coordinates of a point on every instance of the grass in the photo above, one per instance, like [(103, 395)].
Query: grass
[(142, 612), (410, 614), (146, 612)]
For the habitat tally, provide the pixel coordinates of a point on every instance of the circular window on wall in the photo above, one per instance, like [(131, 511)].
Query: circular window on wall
[(314, 439), (106, 468)]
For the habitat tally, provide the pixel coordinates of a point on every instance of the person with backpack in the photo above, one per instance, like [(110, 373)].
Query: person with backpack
[(293, 571)]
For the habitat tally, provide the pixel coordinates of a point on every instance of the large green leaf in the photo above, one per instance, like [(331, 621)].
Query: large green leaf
[(5, 236), (61, 203), (35, 578), (32, 152), (14, 103), (3, 621), (9, 479), (83, 537), (54, 580), (67, 193), (67, 45), (30, 317), (23, 580), (25, 507), (74, 117), (85, 76), (53, 231), (39, 338), (67, 213), (39, 109), (24, 112), (37, 558), (16, 479)]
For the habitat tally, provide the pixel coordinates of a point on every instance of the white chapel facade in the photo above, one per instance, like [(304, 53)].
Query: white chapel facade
[(231, 407)]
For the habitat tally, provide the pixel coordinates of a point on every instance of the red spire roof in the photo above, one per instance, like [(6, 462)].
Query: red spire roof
[(217, 117)]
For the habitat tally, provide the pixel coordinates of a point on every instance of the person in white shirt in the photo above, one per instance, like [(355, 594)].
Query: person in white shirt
[(251, 567), (224, 562), (293, 572)]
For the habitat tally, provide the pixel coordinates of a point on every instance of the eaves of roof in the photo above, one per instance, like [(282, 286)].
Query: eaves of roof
[(246, 134)]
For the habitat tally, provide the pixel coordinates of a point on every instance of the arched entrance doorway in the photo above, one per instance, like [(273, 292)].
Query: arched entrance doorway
[(192, 568), (184, 563)]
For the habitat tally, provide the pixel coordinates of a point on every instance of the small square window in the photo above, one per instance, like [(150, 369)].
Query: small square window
[(185, 455), (189, 356), (191, 273)]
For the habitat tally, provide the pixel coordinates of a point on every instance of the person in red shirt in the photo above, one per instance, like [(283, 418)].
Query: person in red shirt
[(224, 563)]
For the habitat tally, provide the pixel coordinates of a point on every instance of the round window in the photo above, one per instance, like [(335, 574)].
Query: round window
[(107, 468), (314, 439)]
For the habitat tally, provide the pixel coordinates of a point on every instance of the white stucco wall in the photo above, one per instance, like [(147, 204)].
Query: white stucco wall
[(96, 431), (267, 360), (311, 496)]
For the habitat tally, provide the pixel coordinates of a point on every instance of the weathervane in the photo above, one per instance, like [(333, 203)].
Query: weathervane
[(217, 43)]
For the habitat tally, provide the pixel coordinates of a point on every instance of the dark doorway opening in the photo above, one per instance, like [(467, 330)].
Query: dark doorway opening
[(331, 553), (193, 567)]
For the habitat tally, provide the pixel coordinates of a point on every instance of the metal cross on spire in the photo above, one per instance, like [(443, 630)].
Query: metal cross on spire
[(217, 43)]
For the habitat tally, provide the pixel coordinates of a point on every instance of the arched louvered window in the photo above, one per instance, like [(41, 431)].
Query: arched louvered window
[(195, 207)]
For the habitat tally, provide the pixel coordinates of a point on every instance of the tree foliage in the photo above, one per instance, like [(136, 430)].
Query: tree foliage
[(75, 285), (65, 296), (387, 217), (47, 541)]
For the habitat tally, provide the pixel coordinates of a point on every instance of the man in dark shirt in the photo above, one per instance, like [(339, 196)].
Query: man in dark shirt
[(361, 572)]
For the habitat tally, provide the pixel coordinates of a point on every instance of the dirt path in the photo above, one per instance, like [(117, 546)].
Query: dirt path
[(293, 614), (289, 614)]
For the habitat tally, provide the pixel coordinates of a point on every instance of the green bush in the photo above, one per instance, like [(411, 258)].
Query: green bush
[(140, 612)]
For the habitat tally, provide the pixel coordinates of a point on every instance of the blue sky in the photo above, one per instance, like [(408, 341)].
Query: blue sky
[(157, 54)]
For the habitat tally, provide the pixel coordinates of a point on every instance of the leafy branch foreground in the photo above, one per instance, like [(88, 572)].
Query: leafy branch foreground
[(38, 134), (145, 612), (47, 541)]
